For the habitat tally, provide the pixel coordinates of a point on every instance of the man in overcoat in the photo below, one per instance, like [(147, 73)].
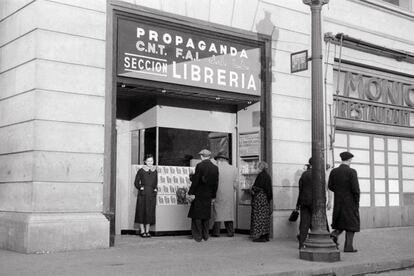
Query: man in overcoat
[(343, 182), (304, 203), (203, 190), (223, 207)]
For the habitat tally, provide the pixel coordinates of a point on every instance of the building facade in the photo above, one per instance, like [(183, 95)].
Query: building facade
[(80, 105)]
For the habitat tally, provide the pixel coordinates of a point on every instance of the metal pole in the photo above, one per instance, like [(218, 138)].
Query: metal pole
[(318, 246)]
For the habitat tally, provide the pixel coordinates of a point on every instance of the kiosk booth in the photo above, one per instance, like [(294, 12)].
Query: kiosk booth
[(181, 87)]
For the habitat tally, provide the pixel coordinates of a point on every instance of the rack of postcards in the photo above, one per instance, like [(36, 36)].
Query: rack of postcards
[(173, 184), (248, 173)]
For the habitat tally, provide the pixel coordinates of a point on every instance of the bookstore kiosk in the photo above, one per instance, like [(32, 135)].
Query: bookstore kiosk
[(180, 87)]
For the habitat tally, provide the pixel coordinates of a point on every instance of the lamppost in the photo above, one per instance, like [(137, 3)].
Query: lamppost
[(318, 245)]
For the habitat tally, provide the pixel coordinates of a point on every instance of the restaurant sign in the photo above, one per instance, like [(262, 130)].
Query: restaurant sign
[(382, 100), (187, 56)]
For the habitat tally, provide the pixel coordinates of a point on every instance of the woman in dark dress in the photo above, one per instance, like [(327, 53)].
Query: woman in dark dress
[(261, 205), (146, 182)]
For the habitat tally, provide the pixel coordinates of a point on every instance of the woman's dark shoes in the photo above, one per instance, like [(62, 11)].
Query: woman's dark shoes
[(262, 238), (259, 240), (350, 250), (142, 235)]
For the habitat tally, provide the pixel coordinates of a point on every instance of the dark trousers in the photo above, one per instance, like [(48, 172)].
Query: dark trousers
[(215, 232), (305, 223), (199, 229), (349, 239)]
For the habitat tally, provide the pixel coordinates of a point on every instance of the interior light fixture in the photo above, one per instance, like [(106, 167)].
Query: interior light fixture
[(249, 102), (217, 98), (163, 90), (123, 85)]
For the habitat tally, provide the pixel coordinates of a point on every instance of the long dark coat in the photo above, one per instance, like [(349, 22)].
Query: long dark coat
[(204, 185), (343, 181), (146, 199), (305, 189), (261, 208)]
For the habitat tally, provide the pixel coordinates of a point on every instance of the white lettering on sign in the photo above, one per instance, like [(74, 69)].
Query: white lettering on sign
[(143, 64), (188, 56), (167, 38), (209, 75)]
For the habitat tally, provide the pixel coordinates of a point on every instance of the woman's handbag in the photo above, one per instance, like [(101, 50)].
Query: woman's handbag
[(294, 215)]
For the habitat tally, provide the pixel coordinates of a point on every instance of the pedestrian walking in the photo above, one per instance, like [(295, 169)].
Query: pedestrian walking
[(304, 203), (223, 208), (202, 192), (146, 181), (343, 182), (261, 205)]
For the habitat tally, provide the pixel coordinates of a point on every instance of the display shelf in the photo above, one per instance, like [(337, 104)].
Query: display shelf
[(248, 172)]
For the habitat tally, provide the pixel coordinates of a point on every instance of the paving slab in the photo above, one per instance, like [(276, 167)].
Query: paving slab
[(378, 250)]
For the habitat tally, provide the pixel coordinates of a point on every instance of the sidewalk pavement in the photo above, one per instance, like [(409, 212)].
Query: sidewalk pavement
[(379, 249)]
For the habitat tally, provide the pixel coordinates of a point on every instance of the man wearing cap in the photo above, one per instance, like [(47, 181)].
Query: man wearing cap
[(343, 182), (203, 190), (223, 208)]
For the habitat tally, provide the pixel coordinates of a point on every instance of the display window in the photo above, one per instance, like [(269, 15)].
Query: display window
[(384, 165)]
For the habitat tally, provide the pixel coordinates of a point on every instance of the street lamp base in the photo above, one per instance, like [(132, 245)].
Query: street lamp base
[(319, 247)]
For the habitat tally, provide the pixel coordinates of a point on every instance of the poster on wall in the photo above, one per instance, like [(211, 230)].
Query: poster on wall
[(249, 144), (161, 51)]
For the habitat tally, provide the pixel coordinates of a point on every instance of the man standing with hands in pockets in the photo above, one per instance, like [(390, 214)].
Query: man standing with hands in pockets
[(203, 191)]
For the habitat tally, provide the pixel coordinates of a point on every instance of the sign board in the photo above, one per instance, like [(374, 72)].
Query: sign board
[(161, 51), (299, 61), (381, 99), (249, 144)]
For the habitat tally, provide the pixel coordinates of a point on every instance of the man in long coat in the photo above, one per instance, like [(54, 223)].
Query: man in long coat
[(343, 182), (304, 203), (223, 207), (203, 190)]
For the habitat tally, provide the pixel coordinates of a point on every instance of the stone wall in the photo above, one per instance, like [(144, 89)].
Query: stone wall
[(52, 70)]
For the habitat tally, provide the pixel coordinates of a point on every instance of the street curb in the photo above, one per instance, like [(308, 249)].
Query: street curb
[(358, 269)]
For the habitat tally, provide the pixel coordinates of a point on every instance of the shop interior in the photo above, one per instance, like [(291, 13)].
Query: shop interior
[(174, 124)]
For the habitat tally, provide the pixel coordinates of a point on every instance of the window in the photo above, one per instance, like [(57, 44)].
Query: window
[(385, 167)]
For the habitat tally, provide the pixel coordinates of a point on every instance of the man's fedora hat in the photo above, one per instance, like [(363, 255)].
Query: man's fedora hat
[(221, 154), (205, 153), (346, 155)]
